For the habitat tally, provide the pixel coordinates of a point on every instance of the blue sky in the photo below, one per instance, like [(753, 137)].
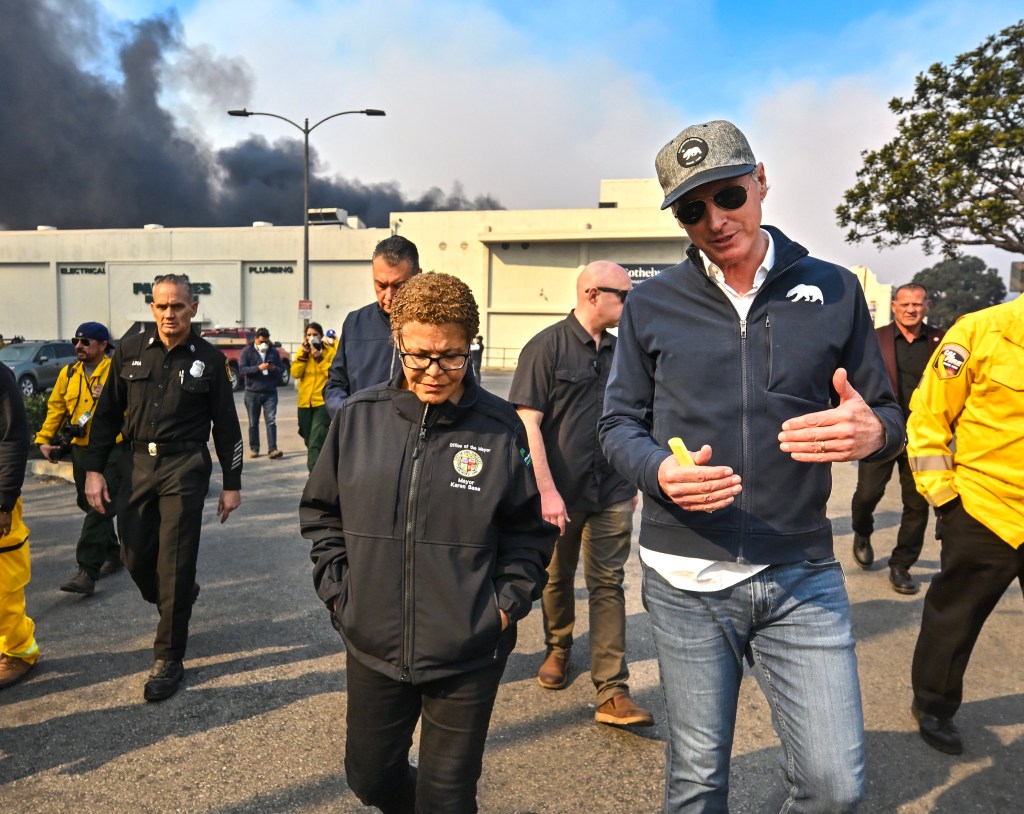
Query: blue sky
[(535, 102)]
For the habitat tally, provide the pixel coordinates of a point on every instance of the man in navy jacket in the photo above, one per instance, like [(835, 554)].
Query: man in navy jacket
[(365, 354), (261, 367), (764, 360)]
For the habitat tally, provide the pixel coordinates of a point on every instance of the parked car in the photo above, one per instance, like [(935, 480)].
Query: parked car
[(231, 341), (37, 364)]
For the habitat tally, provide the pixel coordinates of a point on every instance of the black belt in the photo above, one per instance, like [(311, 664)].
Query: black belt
[(171, 448)]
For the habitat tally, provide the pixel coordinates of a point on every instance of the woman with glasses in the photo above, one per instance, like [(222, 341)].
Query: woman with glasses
[(428, 546)]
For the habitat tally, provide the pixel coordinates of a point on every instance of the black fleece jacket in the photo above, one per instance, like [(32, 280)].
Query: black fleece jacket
[(424, 521)]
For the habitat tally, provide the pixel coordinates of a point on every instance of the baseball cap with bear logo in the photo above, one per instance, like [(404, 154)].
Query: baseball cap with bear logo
[(700, 154)]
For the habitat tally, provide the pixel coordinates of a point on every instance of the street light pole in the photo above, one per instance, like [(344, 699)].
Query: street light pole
[(306, 130)]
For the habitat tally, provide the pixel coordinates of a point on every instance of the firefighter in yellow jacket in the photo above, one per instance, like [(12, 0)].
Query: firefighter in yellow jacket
[(973, 388), (310, 368), (18, 648), (66, 429)]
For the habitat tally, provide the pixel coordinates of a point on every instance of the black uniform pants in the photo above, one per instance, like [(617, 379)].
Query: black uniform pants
[(97, 542), (872, 478), (160, 518), (977, 568)]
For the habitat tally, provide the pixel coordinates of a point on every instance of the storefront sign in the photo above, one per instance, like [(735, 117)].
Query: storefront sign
[(90, 269)]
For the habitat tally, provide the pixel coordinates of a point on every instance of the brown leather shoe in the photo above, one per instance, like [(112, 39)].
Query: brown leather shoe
[(13, 670), (619, 710), (554, 672)]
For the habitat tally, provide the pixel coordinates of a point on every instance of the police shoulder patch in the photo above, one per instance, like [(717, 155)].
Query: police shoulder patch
[(950, 360)]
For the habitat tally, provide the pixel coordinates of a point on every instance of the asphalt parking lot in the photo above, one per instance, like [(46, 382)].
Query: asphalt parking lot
[(259, 725)]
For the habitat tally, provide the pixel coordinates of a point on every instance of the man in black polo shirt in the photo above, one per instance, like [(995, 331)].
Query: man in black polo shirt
[(558, 390), (907, 344)]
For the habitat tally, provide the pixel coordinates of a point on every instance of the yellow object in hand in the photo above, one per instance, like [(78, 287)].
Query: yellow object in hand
[(683, 457)]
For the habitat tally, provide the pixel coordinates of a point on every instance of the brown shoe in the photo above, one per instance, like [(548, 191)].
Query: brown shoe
[(619, 710), (80, 583), (275, 454), (13, 670), (554, 672)]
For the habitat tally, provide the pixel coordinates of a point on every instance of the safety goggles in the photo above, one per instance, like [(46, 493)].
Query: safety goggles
[(690, 212)]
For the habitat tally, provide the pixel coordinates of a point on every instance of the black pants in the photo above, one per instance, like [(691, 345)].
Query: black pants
[(872, 478), (97, 541), (977, 568), (160, 517), (382, 714)]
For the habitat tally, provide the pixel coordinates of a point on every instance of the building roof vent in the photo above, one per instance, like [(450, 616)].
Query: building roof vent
[(332, 216)]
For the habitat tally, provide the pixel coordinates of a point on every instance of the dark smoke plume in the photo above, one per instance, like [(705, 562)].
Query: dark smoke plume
[(81, 150)]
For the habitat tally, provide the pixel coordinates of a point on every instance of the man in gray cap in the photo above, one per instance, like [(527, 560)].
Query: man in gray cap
[(764, 361), (66, 429)]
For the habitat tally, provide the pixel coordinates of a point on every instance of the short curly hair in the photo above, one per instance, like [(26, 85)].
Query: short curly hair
[(435, 299)]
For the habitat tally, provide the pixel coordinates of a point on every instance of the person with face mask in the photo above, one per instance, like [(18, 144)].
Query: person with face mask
[(261, 365), (309, 369)]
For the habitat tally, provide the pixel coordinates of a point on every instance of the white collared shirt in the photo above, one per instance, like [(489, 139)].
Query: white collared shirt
[(694, 573)]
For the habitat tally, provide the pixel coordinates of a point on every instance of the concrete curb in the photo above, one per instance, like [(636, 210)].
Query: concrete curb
[(44, 469)]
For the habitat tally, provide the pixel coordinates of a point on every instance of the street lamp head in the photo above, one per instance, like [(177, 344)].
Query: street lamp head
[(242, 112), (373, 112)]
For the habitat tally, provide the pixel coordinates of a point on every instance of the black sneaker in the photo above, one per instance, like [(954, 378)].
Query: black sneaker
[(164, 679), (902, 582), (80, 583), (863, 553)]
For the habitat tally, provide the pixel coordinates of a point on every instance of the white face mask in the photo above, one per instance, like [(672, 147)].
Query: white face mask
[(262, 347)]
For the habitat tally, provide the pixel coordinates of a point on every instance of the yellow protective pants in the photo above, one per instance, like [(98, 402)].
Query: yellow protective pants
[(16, 628)]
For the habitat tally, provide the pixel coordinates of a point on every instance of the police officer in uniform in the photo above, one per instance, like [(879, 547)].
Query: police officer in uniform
[(166, 386)]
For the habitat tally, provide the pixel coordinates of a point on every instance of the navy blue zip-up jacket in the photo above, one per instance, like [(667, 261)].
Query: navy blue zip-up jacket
[(365, 355), (249, 366), (424, 521), (686, 365)]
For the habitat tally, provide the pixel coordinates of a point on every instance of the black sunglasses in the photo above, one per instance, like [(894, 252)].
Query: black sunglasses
[(81, 340), (690, 212), (621, 292)]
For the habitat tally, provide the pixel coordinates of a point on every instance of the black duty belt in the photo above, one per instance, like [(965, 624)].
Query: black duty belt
[(171, 448)]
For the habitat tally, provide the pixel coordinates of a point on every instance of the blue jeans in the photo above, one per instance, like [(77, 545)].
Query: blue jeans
[(256, 400), (792, 625)]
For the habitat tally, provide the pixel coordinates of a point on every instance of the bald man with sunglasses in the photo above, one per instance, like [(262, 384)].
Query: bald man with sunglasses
[(764, 360)]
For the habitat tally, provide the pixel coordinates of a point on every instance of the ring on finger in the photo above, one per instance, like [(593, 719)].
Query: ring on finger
[(821, 447)]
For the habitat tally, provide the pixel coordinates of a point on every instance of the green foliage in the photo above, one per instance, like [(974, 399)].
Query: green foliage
[(959, 286), (954, 174), (35, 408)]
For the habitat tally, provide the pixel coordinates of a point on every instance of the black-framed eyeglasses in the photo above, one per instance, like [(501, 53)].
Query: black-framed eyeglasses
[(690, 212), (81, 340), (421, 361), (619, 292)]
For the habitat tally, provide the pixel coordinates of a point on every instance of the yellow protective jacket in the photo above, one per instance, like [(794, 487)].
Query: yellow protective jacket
[(72, 396), (973, 387), (312, 375)]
